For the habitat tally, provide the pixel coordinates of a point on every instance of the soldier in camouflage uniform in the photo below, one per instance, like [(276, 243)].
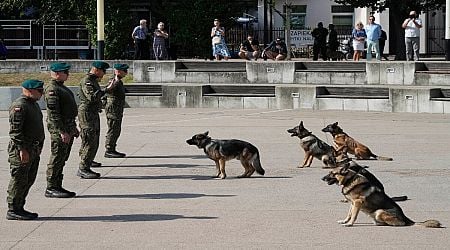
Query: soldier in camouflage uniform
[(25, 147), (61, 113), (115, 102), (90, 105)]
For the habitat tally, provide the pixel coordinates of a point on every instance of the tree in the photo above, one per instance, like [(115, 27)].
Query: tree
[(398, 11)]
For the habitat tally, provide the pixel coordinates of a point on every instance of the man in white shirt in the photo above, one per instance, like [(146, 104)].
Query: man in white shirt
[(412, 36)]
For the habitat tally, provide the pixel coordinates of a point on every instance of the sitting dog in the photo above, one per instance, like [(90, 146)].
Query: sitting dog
[(313, 147), (345, 143), (221, 151), (366, 195)]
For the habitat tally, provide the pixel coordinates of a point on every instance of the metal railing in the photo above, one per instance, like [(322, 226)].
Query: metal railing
[(46, 41)]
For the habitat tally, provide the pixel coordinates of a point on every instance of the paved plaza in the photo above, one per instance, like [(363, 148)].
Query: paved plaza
[(162, 195)]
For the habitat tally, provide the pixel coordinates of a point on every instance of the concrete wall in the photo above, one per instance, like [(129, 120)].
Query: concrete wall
[(31, 66), (409, 91)]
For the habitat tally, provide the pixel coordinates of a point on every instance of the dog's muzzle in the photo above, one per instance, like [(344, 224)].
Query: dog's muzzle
[(330, 180)]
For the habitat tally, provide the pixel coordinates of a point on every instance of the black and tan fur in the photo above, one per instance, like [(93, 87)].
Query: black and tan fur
[(313, 147), (221, 151), (343, 142), (365, 195)]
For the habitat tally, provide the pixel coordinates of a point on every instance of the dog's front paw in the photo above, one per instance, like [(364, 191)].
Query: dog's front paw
[(348, 225), (222, 176), (342, 221)]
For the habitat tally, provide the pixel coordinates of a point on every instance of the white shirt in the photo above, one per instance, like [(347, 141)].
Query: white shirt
[(411, 29)]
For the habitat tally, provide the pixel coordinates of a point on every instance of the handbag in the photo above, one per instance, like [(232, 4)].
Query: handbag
[(216, 40)]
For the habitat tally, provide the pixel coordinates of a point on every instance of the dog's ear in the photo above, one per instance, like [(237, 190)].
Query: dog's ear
[(206, 133), (301, 124), (335, 124)]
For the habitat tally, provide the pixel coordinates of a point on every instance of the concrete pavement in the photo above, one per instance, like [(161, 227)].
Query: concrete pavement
[(162, 196)]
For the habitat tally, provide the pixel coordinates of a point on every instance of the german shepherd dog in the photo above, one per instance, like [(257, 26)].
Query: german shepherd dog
[(221, 151), (313, 147), (343, 142), (365, 195), (344, 160)]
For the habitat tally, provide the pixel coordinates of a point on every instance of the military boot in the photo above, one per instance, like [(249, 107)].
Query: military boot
[(15, 213), (58, 193), (33, 215), (87, 174), (113, 154)]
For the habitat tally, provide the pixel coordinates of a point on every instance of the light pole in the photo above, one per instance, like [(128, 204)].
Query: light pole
[(100, 29)]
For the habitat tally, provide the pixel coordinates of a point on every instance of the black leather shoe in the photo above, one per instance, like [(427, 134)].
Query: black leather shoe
[(95, 164), (32, 215), (19, 215), (114, 154), (88, 174), (58, 193)]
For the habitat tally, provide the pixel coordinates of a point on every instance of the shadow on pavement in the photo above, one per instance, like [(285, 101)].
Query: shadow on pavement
[(156, 166), (126, 218), (167, 156), (153, 196)]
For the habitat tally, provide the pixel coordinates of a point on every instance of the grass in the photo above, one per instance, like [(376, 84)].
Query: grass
[(16, 79)]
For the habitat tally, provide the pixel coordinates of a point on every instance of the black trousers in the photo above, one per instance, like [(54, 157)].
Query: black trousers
[(141, 51)]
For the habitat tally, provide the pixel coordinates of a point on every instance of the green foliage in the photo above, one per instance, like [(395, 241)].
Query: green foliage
[(191, 23)]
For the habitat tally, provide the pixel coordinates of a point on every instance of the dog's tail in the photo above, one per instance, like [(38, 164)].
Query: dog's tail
[(430, 223), (400, 198), (257, 164)]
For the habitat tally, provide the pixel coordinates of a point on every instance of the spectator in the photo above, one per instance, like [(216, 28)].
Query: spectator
[(276, 50), (412, 36), (359, 38), (333, 43), (249, 49), (320, 42), (141, 46), (219, 46), (383, 38), (159, 42), (373, 31), (3, 50)]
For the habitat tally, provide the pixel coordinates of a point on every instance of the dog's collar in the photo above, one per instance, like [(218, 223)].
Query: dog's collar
[(306, 138), (349, 180)]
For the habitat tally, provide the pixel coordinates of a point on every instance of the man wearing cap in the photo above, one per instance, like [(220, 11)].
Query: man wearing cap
[(61, 113), (90, 105), (27, 136), (276, 50), (115, 102)]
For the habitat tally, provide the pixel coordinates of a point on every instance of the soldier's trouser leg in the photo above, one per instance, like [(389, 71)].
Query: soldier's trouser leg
[(89, 146), (114, 129), (23, 177), (59, 155)]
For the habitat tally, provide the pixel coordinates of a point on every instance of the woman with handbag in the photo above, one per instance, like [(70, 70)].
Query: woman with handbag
[(218, 42)]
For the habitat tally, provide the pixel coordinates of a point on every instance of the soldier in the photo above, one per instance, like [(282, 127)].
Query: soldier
[(115, 102), (90, 105), (25, 146), (61, 113)]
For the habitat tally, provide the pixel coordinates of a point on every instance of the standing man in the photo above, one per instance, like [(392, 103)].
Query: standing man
[(333, 43), (115, 102), (373, 31), (141, 45), (27, 136), (61, 113), (320, 42), (249, 49), (412, 36), (90, 105)]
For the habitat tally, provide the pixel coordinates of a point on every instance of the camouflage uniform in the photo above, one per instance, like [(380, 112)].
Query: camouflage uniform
[(90, 105), (61, 114), (26, 132), (115, 93)]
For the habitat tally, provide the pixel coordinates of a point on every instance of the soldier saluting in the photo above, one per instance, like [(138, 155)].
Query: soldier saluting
[(90, 105), (115, 102), (61, 113), (25, 146)]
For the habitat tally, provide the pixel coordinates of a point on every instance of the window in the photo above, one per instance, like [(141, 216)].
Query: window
[(342, 17), (298, 16)]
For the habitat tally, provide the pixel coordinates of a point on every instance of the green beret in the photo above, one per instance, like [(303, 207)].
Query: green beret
[(59, 66), (121, 66), (33, 84), (100, 65)]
